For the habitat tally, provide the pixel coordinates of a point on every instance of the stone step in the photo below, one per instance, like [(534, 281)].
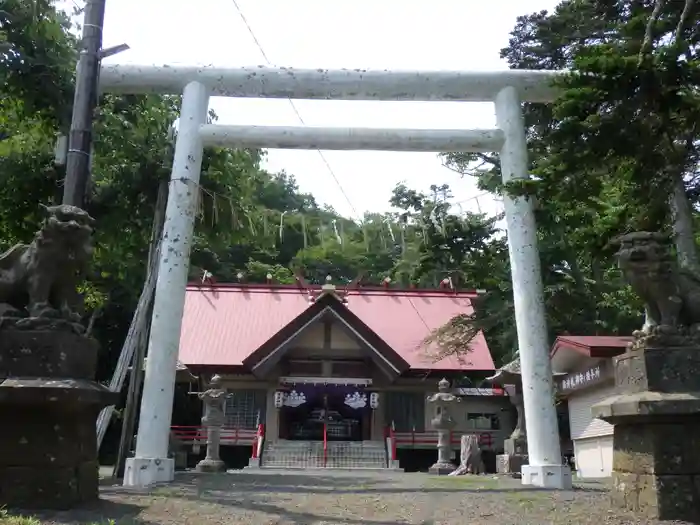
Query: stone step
[(340, 449), (318, 462), (355, 456), (338, 454), (369, 457), (285, 447), (358, 457), (330, 451)]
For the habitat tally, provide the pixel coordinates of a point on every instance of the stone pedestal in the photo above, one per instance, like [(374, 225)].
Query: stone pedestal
[(443, 465), (514, 456), (211, 465), (441, 469), (212, 462), (507, 464), (49, 403), (656, 458)]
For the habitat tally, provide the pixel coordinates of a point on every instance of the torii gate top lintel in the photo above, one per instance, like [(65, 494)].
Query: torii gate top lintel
[(332, 84)]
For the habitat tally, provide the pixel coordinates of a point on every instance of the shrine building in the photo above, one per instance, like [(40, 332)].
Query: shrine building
[(326, 376), (584, 376)]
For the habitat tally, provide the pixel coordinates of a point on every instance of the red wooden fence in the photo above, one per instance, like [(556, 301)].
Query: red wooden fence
[(426, 439), (190, 435)]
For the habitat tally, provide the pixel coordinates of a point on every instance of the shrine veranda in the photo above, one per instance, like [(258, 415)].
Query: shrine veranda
[(506, 89)]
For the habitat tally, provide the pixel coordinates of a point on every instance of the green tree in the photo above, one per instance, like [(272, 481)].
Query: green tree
[(608, 156), (37, 62), (133, 148), (467, 250)]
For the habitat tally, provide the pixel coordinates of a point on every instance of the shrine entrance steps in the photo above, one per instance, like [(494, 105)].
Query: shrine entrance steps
[(284, 454)]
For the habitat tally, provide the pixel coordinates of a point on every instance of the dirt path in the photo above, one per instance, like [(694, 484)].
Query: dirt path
[(346, 498)]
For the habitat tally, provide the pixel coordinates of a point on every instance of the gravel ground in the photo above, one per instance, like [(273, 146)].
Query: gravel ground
[(346, 498)]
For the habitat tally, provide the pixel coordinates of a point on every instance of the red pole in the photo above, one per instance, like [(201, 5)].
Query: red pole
[(325, 444), (255, 442), (261, 435)]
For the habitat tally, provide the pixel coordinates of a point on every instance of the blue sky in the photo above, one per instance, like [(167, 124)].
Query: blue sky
[(386, 34)]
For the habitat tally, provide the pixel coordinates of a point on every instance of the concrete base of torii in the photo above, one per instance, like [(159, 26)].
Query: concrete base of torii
[(146, 472), (547, 477)]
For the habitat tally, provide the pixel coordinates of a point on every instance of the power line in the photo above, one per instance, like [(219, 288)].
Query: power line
[(252, 33), (475, 197), (296, 111)]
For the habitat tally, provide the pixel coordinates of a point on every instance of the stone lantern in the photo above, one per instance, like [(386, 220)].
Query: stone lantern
[(443, 400), (214, 403)]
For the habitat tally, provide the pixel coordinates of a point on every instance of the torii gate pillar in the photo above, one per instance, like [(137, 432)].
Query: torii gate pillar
[(545, 467), (151, 463)]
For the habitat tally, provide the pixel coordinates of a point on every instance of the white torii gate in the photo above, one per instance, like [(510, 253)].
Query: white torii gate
[(506, 89)]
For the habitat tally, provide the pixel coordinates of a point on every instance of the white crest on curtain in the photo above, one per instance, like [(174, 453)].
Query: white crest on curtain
[(356, 400), (294, 399)]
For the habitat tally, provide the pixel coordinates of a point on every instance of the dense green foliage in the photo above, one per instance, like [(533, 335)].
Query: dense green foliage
[(607, 158), (616, 153)]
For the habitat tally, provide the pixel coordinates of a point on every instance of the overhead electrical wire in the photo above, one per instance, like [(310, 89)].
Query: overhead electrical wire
[(296, 111)]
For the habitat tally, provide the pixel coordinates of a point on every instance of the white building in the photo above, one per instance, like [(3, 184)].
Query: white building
[(584, 376)]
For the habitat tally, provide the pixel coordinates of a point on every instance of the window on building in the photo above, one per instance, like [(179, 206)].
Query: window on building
[(483, 422), (243, 407), (406, 410)]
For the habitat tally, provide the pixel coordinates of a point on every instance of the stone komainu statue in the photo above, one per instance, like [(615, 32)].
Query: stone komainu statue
[(671, 294), (39, 280)]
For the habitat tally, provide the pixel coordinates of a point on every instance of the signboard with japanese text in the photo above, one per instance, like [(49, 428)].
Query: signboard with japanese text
[(480, 392), (594, 375)]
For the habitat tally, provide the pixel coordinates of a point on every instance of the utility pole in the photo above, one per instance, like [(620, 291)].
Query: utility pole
[(84, 103)]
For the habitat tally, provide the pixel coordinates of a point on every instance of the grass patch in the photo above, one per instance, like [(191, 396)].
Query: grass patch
[(526, 500), (8, 519), (470, 482), (166, 492)]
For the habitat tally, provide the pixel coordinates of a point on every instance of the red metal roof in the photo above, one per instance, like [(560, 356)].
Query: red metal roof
[(224, 324), (592, 345)]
